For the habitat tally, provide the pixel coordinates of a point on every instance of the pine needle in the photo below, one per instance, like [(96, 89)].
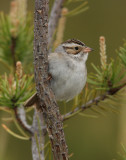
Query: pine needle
[(14, 134)]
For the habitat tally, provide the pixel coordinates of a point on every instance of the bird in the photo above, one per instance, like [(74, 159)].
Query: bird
[(67, 67)]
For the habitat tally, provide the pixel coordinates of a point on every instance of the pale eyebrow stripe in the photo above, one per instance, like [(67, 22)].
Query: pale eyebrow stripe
[(69, 47)]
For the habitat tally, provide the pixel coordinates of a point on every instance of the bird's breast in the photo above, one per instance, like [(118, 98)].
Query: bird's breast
[(68, 80)]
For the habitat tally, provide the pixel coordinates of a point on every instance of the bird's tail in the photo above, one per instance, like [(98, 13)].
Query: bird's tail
[(31, 101)]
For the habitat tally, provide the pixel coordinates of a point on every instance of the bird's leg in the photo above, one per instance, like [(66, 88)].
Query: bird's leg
[(49, 77)]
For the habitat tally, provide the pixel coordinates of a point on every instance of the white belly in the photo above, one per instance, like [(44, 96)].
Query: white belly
[(68, 89), (67, 81)]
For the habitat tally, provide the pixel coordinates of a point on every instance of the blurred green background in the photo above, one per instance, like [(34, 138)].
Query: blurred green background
[(88, 138)]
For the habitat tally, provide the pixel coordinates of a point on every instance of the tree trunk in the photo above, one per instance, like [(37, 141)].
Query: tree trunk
[(48, 106)]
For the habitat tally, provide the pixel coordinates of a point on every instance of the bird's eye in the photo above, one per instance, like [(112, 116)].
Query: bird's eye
[(76, 48)]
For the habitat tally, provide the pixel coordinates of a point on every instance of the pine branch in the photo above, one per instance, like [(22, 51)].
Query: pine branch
[(48, 104), (90, 103), (21, 119)]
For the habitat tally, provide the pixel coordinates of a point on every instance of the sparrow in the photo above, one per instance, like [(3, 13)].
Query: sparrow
[(67, 67)]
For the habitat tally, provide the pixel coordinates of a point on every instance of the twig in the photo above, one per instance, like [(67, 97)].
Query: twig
[(60, 28), (48, 104), (21, 119), (53, 20), (38, 137), (90, 103), (13, 45)]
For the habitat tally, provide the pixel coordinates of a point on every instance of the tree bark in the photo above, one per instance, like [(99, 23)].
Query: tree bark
[(48, 104)]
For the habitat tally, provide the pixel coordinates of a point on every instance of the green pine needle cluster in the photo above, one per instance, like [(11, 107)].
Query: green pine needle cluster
[(109, 78), (14, 91), (109, 75), (19, 46)]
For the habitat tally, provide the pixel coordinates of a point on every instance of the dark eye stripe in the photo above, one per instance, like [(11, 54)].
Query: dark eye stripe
[(76, 48), (73, 50)]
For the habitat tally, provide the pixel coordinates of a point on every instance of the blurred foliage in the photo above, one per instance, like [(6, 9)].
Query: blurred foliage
[(122, 53), (122, 154), (77, 10), (16, 42), (14, 91)]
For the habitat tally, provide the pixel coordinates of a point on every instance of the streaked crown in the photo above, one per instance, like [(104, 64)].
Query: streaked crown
[(75, 41)]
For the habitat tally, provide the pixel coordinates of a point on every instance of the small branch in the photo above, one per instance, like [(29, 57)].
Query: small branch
[(83, 107), (13, 45), (21, 119), (90, 103), (38, 137), (60, 28), (53, 20)]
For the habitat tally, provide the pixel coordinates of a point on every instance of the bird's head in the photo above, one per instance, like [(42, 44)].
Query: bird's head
[(74, 48)]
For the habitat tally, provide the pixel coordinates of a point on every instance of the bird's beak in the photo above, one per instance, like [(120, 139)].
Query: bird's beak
[(87, 49)]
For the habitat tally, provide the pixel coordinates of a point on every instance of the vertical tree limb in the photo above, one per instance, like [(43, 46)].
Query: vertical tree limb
[(38, 137), (47, 100), (53, 20)]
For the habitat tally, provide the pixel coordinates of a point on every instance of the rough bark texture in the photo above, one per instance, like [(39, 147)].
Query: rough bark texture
[(53, 20), (48, 104)]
